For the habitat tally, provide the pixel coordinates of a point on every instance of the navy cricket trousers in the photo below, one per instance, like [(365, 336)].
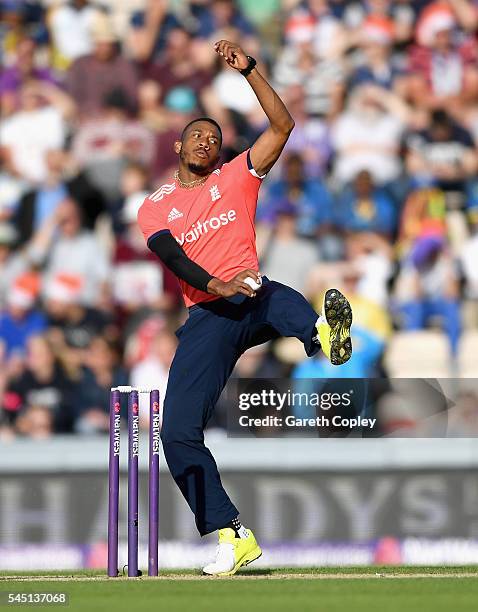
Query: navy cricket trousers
[(210, 342)]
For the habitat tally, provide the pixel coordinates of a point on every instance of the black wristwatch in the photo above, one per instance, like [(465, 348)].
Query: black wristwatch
[(252, 64)]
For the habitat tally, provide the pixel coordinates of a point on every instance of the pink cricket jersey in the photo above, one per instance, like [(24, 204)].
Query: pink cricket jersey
[(213, 223)]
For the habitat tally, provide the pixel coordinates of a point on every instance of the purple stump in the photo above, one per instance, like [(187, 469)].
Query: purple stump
[(154, 433), (133, 453), (113, 482)]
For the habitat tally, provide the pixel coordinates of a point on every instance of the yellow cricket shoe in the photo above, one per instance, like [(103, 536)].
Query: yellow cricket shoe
[(333, 327), (233, 553)]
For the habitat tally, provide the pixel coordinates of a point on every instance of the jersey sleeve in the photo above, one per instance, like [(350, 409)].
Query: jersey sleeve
[(241, 166), (152, 219)]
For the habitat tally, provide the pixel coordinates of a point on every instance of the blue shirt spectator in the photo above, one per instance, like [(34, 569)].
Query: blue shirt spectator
[(365, 75), (139, 22), (15, 331), (20, 321), (308, 198), (220, 14), (364, 208)]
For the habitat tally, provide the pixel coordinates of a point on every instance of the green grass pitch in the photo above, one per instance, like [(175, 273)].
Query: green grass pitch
[(370, 589)]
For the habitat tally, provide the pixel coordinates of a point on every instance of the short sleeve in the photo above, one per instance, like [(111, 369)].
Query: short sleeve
[(152, 219), (242, 166)]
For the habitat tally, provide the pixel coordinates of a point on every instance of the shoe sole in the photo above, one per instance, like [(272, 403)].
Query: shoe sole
[(249, 558), (338, 314)]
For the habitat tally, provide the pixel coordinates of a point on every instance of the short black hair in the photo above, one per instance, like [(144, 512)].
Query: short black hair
[(208, 119), (440, 118)]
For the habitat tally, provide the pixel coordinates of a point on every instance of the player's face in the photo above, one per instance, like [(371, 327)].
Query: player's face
[(200, 147)]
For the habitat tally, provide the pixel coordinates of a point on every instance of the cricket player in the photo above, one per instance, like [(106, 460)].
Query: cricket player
[(201, 225)]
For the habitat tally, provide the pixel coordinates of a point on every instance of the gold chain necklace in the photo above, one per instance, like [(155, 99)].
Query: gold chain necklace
[(192, 184)]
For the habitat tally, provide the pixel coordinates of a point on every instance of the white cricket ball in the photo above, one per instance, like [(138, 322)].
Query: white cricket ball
[(252, 283)]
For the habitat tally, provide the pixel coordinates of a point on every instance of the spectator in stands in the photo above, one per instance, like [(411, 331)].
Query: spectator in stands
[(286, 256), (92, 78), (105, 143), (367, 135), (66, 247), (428, 287), (12, 30), (151, 112), (152, 370), (309, 198), (11, 190), (22, 71), (149, 30), (322, 79), (401, 13), (423, 215), (63, 179), (177, 67), (37, 127), (12, 264), (21, 320), (72, 324), (101, 372), (135, 180), (362, 207), (312, 21), (71, 25), (38, 401), (139, 279), (310, 138), (376, 65), (469, 258), (442, 69), (218, 15), (443, 155), (36, 421), (179, 107), (373, 258)]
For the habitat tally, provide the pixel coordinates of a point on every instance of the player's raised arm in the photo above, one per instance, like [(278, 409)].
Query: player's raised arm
[(268, 147)]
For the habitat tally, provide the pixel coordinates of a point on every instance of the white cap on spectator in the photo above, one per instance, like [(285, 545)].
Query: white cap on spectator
[(24, 291), (65, 288), (378, 29), (300, 28), (131, 206), (19, 298), (435, 18)]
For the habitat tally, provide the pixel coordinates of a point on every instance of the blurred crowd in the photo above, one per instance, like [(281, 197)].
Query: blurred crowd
[(376, 191)]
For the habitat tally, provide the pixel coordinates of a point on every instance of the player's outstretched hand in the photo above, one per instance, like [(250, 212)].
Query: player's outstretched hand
[(235, 285), (233, 54)]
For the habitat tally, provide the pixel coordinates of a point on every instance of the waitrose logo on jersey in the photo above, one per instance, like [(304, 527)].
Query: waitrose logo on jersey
[(200, 228)]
